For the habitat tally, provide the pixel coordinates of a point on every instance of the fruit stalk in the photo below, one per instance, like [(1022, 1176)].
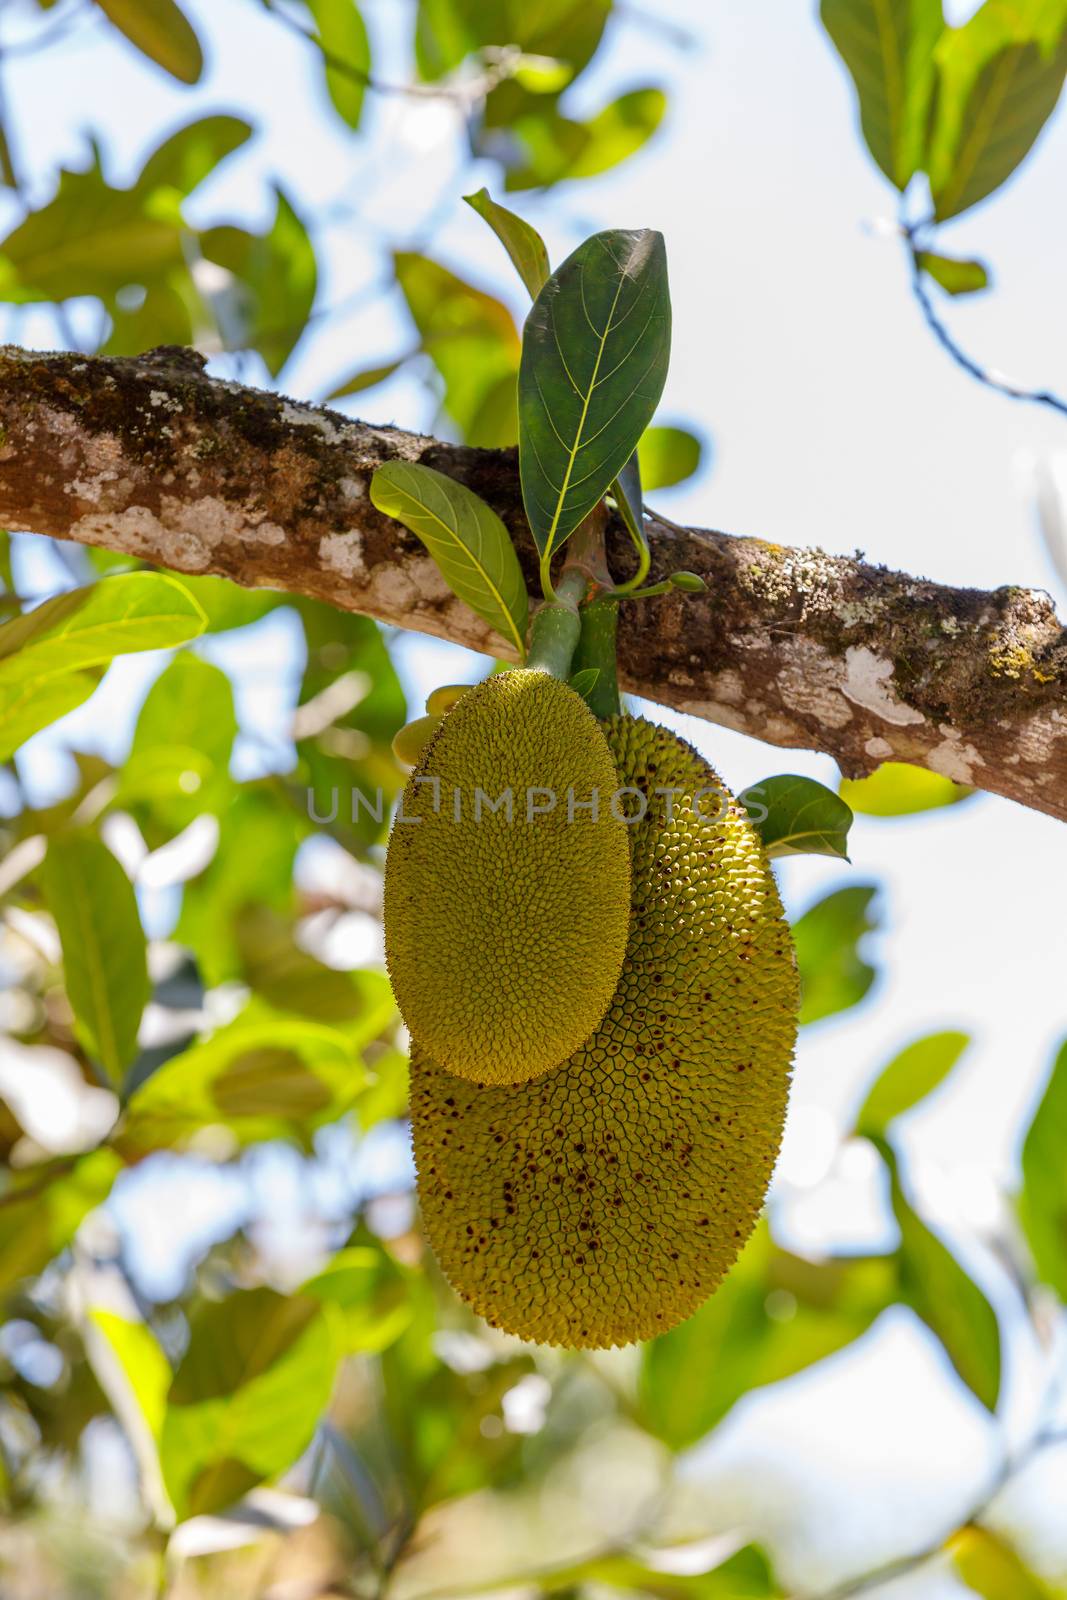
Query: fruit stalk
[(597, 649), (557, 626)]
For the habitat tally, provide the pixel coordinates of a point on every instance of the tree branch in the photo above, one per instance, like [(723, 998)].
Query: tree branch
[(151, 457)]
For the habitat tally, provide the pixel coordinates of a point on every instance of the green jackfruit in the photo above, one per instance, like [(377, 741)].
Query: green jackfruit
[(603, 1203), (505, 928)]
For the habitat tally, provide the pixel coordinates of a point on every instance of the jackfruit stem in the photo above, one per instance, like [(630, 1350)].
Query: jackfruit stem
[(557, 627), (596, 649)]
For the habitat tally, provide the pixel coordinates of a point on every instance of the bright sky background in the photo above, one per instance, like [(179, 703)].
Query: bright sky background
[(836, 421)]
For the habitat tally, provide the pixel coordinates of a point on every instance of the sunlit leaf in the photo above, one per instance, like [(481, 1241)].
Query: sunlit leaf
[(466, 538), (618, 131), (161, 31), (1043, 1202), (191, 154), (888, 47), (44, 1206), (105, 969), (828, 937), (277, 276), (991, 1567), (367, 378), (999, 78), (473, 342), (523, 243), (897, 789), (266, 1075), (48, 656), (798, 816), (594, 359), (913, 1073), (939, 1291), (346, 51), (246, 1397), (955, 276), (775, 1315), (668, 456)]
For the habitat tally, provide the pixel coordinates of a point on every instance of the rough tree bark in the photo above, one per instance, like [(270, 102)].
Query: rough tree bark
[(151, 457)]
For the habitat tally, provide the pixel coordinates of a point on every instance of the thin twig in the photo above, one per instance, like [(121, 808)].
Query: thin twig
[(1046, 1438), (992, 380), (501, 66)]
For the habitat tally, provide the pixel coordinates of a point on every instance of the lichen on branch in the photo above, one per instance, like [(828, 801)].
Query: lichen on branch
[(152, 457)]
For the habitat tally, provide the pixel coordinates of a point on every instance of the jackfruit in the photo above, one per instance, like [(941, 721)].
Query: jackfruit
[(603, 1203), (507, 898)]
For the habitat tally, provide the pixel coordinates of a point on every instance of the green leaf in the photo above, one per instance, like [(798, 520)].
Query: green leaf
[(797, 816), (1043, 1202), (618, 131), (226, 605), (47, 656), (938, 1290), (191, 154), (594, 360), (520, 239), (999, 78), (367, 378), (343, 36), (993, 1568), (288, 978), (277, 273), (352, 753), (266, 1075), (161, 31), (954, 276), (185, 731), (466, 538), (43, 1207), (134, 1373), (473, 342), (913, 1073), (247, 1396), (833, 973), (888, 47), (775, 1315), (897, 789), (583, 682), (668, 456), (104, 957)]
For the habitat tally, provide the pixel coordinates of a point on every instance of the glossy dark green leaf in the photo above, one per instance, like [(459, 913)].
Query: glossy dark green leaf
[(246, 1397), (1043, 1202), (828, 937), (999, 79), (897, 789), (798, 816), (939, 1291), (594, 360), (888, 47), (468, 541), (346, 53), (523, 243), (912, 1074), (105, 971), (161, 31), (668, 456), (952, 274)]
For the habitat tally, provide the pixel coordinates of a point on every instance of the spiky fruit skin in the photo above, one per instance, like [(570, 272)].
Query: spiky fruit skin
[(504, 938), (603, 1203)]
